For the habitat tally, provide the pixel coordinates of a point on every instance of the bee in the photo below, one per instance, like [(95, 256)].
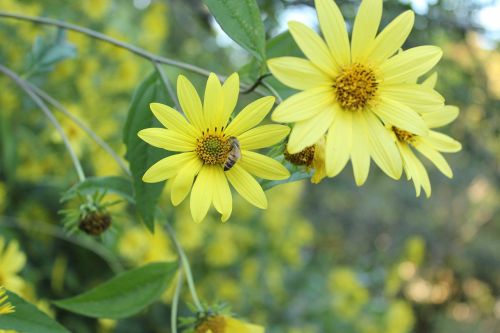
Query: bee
[(234, 154)]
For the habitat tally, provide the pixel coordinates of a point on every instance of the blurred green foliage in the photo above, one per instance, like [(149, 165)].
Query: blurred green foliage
[(325, 258)]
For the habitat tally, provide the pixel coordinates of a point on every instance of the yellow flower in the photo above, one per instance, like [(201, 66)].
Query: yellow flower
[(429, 145), (12, 262), (312, 157), (5, 307), (225, 324), (139, 246), (350, 91), (210, 145)]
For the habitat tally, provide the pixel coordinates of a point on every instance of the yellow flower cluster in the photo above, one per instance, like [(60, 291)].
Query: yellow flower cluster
[(363, 96)]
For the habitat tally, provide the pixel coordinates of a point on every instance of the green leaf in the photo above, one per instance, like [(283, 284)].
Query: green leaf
[(241, 21), (140, 155), (125, 294), (116, 185), (278, 46), (28, 319), (47, 53)]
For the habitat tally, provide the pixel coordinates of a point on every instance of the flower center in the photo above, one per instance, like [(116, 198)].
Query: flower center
[(213, 324), (213, 149), (403, 136), (303, 157), (355, 87)]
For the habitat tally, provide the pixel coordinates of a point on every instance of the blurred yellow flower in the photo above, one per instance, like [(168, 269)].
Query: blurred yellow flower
[(399, 318), (351, 91), (225, 324), (5, 307), (12, 262), (95, 9), (154, 26), (213, 151), (140, 246), (349, 294)]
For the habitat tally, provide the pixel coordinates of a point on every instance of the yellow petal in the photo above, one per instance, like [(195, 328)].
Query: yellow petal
[(298, 73), (415, 96), (313, 47), (250, 116), (413, 168), (399, 115), (167, 139), (334, 30), (365, 28), (190, 102), (410, 64), (173, 120), (441, 142), (223, 201), (247, 186), (263, 136), (360, 153), (213, 102), (383, 149), (391, 39), (304, 105), (167, 168), (237, 326), (184, 180), (14, 260), (339, 143), (202, 194), (231, 90), (307, 132), (431, 81), (436, 158), (262, 166), (441, 117)]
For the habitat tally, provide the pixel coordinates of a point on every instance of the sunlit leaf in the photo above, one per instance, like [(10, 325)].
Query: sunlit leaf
[(242, 22)]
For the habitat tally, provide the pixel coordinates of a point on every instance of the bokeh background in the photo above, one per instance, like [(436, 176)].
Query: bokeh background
[(323, 258)]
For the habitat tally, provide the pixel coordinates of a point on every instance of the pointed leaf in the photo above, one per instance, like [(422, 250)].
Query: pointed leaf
[(241, 21), (28, 319), (125, 294), (140, 154)]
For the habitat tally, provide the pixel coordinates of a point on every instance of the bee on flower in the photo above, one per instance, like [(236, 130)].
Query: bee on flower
[(212, 151), (352, 90)]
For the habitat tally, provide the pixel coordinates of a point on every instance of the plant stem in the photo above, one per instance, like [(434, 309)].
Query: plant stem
[(56, 104), (175, 302), (38, 101), (130, 47), (97, 35), (168, 85), (186, 267)]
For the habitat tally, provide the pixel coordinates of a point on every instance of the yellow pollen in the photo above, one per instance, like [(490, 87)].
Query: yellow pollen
[(303, 157), (403, 136), (212, 324), (355, 87), (213, 149)]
